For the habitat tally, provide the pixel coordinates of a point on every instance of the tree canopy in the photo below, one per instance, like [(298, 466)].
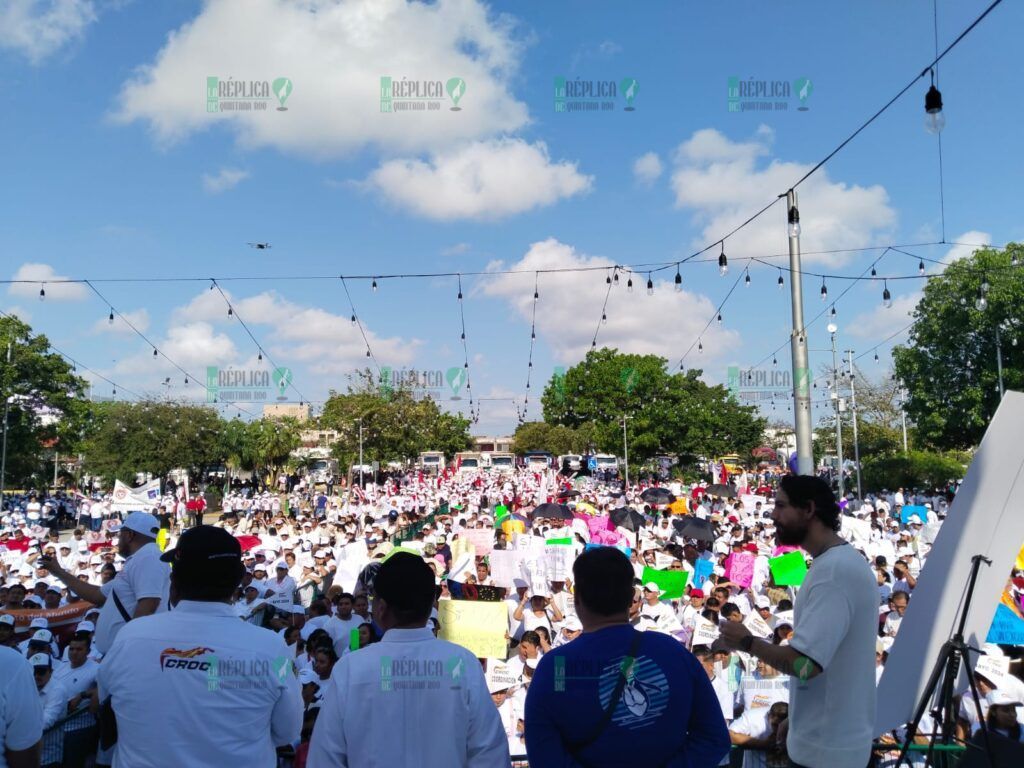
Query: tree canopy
[(949, 366), (666, 413)]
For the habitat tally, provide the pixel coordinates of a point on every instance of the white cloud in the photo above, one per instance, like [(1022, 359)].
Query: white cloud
[(334, 52), (36, 29), (328, 343), (722, 182), (224, 180), (486, 180), (139, 318), (192, 345), (19, 312), (647, 168), (980, 239), (569, 310), (882, 321), (456, 250), (42, 276)]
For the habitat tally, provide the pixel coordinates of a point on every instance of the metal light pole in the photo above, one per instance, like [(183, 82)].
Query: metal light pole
[(856, 444), (999, 360), (360, 454), (839, 424), (625, 449), (798, 344), (7, 406), (903, 414)]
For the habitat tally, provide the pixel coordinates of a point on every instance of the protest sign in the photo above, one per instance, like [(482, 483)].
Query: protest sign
[(623, 549), (505, 567), (558, 560), (145, 497), (460, 591), (784, 617), (662, 560), (750, 500), (671, 583), (534, 574), (912, 509), (500, 677), (704, 632), (462, 546), (993, 668), (477, 626), (702, 569), (788, 570), (757, 626), (1008, 625), (563, 541), (739, 568), (482, 540)]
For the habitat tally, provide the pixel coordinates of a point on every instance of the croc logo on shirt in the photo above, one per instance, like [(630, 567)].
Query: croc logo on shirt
[(173, 658)]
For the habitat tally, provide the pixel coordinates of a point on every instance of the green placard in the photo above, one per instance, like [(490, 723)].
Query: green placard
[(788, 570), (671, 583), (567, 542)]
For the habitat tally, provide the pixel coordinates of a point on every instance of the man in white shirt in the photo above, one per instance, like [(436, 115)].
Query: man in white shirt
[(282, 587), (410, 693), (53, 701), (831, 655), (341, 625), (196, 686), (655, 615), (138, 590), (21, 725), (78, 676)]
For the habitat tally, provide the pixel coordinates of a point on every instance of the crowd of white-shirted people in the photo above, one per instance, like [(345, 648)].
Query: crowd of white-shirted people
[(303, 625)]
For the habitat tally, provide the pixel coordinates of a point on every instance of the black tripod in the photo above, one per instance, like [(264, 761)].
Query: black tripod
[(943, 679)]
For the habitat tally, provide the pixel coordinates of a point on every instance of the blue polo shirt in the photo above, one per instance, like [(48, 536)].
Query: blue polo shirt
[(668, 714)]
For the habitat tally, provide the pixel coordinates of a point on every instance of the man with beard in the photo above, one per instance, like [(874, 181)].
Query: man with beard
[(138, 590), (830, 656)]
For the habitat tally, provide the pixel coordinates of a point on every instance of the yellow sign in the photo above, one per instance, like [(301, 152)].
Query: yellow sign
[(477, 626), (1019, 565), (161, 539)]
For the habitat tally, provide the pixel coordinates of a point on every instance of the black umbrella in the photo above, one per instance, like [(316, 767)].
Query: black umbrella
[(552, 512), (628, 518), (694, 528), (657, 496), (568, 494), (722, 490)]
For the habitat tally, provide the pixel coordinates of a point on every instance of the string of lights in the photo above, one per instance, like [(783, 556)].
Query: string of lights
[(233, 312), (358, 323), (474, 417), (533, 340), (716, 315)]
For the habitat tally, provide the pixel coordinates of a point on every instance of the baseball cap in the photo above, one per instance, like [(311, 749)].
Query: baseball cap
[(281, 565), (1004, 697), (405, 581), (143, 523), (85, 626), (650, 586), (572, 624), (39, 623), (42, 636), (7, 619), (762, 602), (41, 661), (206, 546), (696, 593)]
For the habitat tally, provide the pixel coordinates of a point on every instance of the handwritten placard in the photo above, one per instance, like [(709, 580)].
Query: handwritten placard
[(477, 626)]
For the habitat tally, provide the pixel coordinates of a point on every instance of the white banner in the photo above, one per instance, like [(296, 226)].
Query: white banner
[(704, 632), (757, 626), (144, 498)]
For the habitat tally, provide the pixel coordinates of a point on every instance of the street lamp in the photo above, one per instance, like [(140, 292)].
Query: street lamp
[(832, 328), (856, 443)]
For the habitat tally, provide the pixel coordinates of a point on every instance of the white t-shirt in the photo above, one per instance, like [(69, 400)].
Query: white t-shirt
[(143, 576), (21, 715), (832, 716), (754, 725)]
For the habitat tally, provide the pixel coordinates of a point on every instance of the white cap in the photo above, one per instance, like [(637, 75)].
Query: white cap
[(532, 663), (42, 636), (1002, 696), (915, 520), (280, 565), (762, 602), (142, 522), (41, 660), (6, 618), (572, 623), (39, 623), (650, 586), (85, 626)]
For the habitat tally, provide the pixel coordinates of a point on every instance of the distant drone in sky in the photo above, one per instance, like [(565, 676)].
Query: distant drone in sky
[(260, 246)]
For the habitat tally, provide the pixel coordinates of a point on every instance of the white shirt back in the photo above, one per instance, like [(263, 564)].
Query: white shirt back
[(195, 686), (143, 576), (21, 715)]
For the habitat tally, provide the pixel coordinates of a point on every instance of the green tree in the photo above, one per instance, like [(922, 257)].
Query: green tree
[(125, 438), (557, 439), (916, 469), (665, 413), (949, 366), (269, 442), (47, 410), (395, 425)]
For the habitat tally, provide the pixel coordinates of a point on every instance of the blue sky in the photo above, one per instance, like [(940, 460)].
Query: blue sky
[(113, 168)]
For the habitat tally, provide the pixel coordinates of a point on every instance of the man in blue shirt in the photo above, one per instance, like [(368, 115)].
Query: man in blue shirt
[(615, 696)]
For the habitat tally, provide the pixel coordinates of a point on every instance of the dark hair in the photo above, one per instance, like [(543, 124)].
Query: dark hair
[(712, 604), (803, 490), (543, 630), (529, 636), (785, 604), (81, 637), (327, 650), (900, 593), (604, 581), (406, 584), (729, 609), (342, 596), (200, 582)]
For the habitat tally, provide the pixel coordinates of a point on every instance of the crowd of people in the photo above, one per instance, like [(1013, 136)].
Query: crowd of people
[(289, 607)]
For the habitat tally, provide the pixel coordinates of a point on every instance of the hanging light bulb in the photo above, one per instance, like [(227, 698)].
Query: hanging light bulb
[(460, 294), (723, 261), (42, 292), (775, 360), (154, 352), (536, 294), (985, 287), (824, 290), (874, 273), (920, 267), (604, 317), (1014, 260), (615, 278), (719, 318), (629, 285), (367, 351), (259, 357), (700, 346), (746, 279), (608, 280), (793, 227), (934, 119), (781, 281), (230, 311), (876, 355), (186, 381), (679, 280), (886, 297), (373, 285), (353, 319), (650, 285), (981, 303), (115, 391), (110, 317), (833, 312), (533, 334)]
